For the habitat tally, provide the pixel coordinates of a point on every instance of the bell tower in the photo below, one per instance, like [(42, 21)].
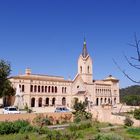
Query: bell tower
[(85, 65)]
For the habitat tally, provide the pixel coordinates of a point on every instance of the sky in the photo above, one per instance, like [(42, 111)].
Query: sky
[(47, 36)]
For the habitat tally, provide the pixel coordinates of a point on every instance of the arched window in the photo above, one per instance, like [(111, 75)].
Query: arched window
[(97, 101), (42, 88), (80, 69), (47, 101), (40, 102), (101, 101), (64, 101), (22, 88), (32, 102), (62, 89), (38, 88), (55, 89), (96, 90), (45, 88), (52, 89), (53, 101), (114, 100), (35, 87), (109, 100), (31, 88), (49, 89), (65, 89), (88, 70), (105, 100)]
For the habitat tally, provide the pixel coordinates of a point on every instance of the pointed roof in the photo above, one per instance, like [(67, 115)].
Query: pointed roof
[(84, 51)]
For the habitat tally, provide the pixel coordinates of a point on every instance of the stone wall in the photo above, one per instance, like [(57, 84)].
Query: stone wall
[(30, 116)]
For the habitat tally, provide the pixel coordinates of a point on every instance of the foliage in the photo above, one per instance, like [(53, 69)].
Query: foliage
[(109, 136), (12, 127), (133, 100), (5, 69), (57, 135), (6, 88), (80, 126), (137, 114), (128, 121), (80, 113), (82, 130), (40, 120), (26, 129), (125, 94), (27, 108), (82, 116), (134, 131), (79, 106)]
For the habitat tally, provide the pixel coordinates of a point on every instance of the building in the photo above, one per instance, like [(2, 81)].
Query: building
[(45, 90)]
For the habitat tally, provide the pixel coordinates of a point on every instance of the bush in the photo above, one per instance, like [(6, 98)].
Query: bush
[(109, 136), (128, 122), (80, 113), (20, 124), (80, 126), (5, 127), (41, 120), (110, 124), (82, 116), (12, 127), (25, 129), (57, 135), (44, 130), (134, 131), (137, 114)]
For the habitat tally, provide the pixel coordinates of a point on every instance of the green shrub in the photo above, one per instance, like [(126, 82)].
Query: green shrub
[(80, 113), (110, 124), (20, 124), (41, 120), (137, 114), (70, 136), (112, 129), (6, 128), (44, 130), (12, 127), (82, 116), (109, 136), (80, 126), (134, 131), (128, 122), (25, 129)]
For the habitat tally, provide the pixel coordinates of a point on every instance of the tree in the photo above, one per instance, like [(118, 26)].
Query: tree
[(137, 114), (80, 113), (132, 61), (133, 100), (6, 88), (128, 121), (80, 106)]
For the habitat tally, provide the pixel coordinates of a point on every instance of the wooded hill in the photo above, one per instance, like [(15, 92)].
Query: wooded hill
[(131, 90)]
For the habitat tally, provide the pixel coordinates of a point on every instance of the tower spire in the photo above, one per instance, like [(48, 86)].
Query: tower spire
[(84, 51)]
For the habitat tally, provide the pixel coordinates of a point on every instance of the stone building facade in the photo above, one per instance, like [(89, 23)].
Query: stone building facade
[(45, 90)]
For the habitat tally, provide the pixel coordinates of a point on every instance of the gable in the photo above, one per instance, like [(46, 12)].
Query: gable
[(78, 85)]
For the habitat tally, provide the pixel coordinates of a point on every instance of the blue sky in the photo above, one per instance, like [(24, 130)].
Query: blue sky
[(47, 35)]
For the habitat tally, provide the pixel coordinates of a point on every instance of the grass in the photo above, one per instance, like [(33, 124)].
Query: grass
[(85, 132)]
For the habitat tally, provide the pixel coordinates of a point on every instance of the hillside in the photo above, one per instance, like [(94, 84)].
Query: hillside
[(131, 90)]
